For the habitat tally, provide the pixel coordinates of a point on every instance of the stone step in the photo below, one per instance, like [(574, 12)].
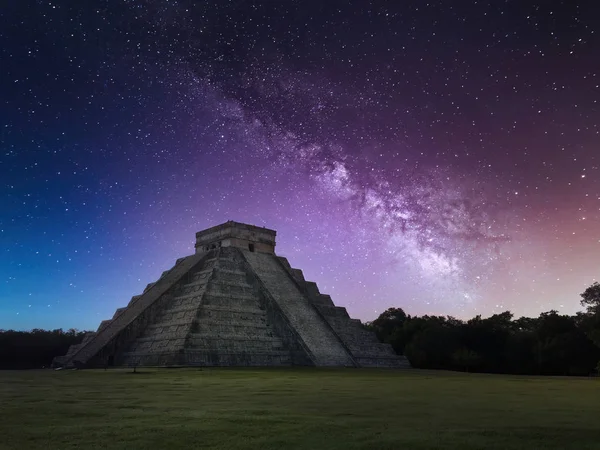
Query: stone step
[(216, 335), (221, 287), (208, 265), (226, 302), (243, 284), (200, 275), (192, 301), (231, 275), (209, 323), (255, 328), (231, 271), (119, 311), (188, 315), (72, 350), (211, 312), (232, 291), (158, 345), (266, 351), (342, 321), (220, 259), (322, 300), (231, 309), (190, 289), (209, 357), (230, 314), (334, 312), (103, 325), (354, 340), (224, 346), (312, 289), (171, 323), (168, 336), (181, 309), (194, 284), (134, 299), (211, 262), (231, 296), (227, 264), (354, 334), (219, 317), (188, 296)]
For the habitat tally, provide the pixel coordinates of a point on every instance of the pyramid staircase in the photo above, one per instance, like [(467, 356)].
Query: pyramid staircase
[(216, 319)]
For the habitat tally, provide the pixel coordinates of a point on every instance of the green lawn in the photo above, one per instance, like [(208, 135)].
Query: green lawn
[(295, 409)]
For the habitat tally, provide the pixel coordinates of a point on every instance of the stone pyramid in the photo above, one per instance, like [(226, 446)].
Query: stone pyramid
[(233, 303)]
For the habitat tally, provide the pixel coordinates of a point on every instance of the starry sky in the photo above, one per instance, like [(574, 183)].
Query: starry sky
[(439, 156)]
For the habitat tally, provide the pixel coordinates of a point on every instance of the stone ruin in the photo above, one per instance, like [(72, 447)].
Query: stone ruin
[(233, 303)]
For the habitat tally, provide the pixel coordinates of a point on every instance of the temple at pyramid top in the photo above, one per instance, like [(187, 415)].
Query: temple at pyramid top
[(236, 234), (234, 302)]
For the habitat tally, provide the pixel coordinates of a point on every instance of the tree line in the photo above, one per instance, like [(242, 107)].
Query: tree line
[(35, 349), (551, 344)]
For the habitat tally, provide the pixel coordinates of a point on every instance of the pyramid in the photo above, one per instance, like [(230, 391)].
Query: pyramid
[(232, 303)]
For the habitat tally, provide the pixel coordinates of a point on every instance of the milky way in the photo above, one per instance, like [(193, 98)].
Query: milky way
[(437, 158)]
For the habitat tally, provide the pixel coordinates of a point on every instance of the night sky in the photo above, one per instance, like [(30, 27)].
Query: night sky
[(442, 157)]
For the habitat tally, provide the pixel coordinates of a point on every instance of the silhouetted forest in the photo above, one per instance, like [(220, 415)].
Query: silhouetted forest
[(551, 344), (34, 349)]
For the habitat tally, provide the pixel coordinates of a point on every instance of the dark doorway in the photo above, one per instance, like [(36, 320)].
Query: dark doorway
[(251, 247)]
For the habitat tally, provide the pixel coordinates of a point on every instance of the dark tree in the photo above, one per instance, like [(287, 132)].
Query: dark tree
[(590, 298), (466, 359), (551, 344), (34, 349), (388, 327)]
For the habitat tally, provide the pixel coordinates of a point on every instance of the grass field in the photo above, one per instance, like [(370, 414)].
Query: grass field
[(295, 409)]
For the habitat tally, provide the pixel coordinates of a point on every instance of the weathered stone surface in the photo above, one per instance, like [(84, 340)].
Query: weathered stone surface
[(233, 303), (316, 334)]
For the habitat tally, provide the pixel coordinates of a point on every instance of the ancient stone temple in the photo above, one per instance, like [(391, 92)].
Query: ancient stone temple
[(233, 303)]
